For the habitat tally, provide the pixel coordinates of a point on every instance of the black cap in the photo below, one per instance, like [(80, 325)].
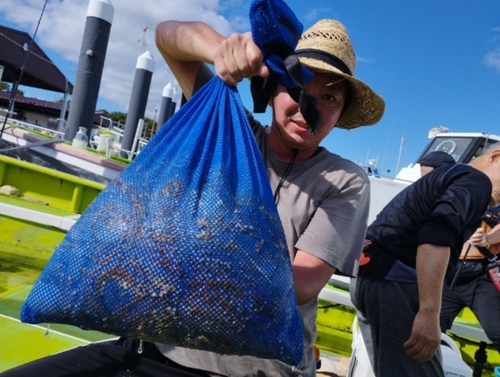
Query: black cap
[(436, 159)]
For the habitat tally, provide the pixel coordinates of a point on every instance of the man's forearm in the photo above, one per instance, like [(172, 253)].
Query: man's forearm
[(187, 41), (493, 235), (432, 261), (185, 46), (310, 275)]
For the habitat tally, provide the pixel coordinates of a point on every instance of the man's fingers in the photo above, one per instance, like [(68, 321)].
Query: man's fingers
[(419, 350), (263, 71), (413, 347), (237, 58)]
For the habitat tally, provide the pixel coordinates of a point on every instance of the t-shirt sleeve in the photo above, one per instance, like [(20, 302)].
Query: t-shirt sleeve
[(337, 229)]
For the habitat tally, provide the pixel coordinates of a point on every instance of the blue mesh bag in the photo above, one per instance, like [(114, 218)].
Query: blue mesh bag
[(185, 247), (276, 30)]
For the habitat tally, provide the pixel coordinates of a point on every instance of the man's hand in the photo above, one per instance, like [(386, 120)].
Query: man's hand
[(239, 57), (479, 238), (425, 337)]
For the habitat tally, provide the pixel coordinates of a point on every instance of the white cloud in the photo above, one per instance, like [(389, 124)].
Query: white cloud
[(316, 13), (240, 24), (492, 59), (361, 59), (62, 25)]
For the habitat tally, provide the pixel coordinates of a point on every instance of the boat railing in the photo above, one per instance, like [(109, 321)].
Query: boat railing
[(34, 127), (141, 144), (117, 132), (111, 124), (103, 119)]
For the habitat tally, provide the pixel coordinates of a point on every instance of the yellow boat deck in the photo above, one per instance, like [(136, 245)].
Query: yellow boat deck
[(22, 343)]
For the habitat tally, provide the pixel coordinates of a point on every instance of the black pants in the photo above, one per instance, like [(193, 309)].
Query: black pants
[(482, 297), (386, 311), (115, 358)]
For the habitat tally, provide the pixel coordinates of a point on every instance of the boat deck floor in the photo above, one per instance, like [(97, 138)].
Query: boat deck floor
[(22, 343)]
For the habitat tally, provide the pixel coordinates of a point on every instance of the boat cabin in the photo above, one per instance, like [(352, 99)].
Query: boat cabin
[(462, 146)]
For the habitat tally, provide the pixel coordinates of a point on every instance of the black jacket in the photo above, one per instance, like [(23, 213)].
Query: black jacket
[(444, 208)]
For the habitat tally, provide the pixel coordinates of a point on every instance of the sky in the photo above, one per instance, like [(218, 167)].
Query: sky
[(436, 63)]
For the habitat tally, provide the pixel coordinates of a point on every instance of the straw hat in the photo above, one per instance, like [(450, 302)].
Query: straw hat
[(326, 47)]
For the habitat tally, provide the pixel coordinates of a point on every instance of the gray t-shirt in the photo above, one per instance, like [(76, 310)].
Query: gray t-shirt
[(323, 206)]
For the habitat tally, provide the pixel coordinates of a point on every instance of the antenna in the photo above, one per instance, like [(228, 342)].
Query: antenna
[(400, 151), (142, 39)]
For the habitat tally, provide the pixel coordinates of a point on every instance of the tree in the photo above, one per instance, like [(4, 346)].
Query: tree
[(148, 131), (61, 100), (118, 116), (5, 87)]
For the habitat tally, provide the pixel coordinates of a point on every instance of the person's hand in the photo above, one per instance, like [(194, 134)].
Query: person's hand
[(239, 57), (479, 238), (425, 337)]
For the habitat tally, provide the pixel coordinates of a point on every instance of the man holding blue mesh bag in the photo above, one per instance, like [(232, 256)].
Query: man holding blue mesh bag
[(322, 199)]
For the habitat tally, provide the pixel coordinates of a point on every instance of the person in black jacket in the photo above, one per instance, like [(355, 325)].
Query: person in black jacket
[(473, 286), (415, 244), (433, 160)]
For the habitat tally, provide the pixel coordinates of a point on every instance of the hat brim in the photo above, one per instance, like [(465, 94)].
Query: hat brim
[(366, 107)]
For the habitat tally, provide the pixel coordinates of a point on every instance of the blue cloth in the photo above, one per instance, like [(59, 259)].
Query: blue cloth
[(276, 30)]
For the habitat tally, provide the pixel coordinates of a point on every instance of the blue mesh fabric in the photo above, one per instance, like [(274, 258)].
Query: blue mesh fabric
[(186, 247), (274, 23)]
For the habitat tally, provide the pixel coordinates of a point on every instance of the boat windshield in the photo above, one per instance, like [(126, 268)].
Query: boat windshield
[(454, 146), (461, 148)]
